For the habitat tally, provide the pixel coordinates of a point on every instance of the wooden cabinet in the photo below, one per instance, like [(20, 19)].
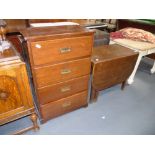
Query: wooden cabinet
[(15, 94), (60, 64)]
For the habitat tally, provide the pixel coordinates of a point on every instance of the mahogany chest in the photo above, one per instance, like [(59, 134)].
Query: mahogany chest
[(60, 64)]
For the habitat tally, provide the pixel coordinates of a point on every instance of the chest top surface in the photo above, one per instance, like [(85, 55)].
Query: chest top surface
[(53, 32)]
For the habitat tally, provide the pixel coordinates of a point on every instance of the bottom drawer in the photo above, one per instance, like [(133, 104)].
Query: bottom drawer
[(64, 105)]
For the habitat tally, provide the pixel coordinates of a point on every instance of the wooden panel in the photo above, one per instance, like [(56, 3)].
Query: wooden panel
[(10, 98), (13, 25), (60, 50), (64, 105), (61, 90), (14, 90), (61, 72)]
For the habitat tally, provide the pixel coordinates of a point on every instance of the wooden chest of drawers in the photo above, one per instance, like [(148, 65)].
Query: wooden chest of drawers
[(60, 64)]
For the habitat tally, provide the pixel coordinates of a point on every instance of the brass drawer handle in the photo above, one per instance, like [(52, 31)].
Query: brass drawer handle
[(64, 89), (67, 104), (65, 50), (65, 71)]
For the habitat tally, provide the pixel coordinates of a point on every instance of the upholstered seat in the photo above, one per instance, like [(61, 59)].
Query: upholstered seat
[(139, 45), (144, 48)]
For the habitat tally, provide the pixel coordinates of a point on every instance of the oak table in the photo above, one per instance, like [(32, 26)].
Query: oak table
[(111, 64)]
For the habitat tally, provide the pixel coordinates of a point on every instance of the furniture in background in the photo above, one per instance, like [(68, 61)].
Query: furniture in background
[(111, 24), (60, 64), (15, 94), (101, 38), (143, 48), (111, 64), (136, 23), (13, 25), (145, 24)]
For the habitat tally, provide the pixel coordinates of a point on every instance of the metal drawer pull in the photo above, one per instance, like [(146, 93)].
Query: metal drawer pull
[(37, 45), (67, 104), (65, 50), (64, 89), (65, 71)]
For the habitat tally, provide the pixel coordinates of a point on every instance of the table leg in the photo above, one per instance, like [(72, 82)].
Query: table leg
[(94, 95), (33, 118), (153, 68), (123, 85), (131, 78)]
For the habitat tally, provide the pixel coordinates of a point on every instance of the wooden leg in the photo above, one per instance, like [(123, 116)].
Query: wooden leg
[(123, 85), (33, 118), (94, 95)]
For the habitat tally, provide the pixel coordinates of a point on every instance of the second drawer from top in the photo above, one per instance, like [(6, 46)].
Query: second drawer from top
[(61, 72)]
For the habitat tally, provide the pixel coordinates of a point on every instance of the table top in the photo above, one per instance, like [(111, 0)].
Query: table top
[(109, 52)]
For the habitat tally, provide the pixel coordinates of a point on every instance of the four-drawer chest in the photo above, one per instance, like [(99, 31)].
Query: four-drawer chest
[(60, 63)]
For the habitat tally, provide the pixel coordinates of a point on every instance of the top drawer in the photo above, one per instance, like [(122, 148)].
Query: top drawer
[(52, 51)]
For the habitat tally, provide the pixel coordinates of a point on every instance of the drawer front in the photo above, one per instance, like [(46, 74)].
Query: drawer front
[(62, 72), (64, 105), (52, 51), (61, 90)]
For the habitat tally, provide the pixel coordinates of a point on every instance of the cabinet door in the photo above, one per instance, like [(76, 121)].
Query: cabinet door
[(15, 96)]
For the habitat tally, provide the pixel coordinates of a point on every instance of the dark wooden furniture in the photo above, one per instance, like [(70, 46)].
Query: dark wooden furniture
[(13, 25), (111, 64), (60, 64), (15, 94)]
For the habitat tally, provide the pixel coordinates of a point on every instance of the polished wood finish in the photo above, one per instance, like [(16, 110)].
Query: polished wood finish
[(111, 64), (60, 49), (64, 105), (60, 64), (63, 89), (14, 39), (13, 25), (35, 126), (61, 72), (54, 32), (15, 94)]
